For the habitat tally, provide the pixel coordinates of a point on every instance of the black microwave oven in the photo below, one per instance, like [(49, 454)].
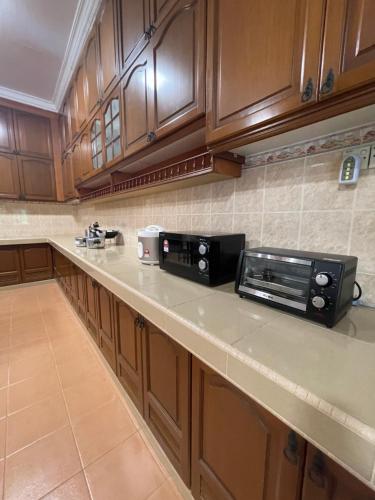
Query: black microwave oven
[(209, 259), (317, 286)]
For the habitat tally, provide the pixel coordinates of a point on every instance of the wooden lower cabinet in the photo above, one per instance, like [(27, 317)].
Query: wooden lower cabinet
[(326, 480), (239, 450), (36, 262), (10, 266), (81, 293), (166, 386), (105, 325), (129, 351), (91, 304)]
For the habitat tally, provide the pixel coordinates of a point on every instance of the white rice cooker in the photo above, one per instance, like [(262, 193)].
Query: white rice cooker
[(148, 244)]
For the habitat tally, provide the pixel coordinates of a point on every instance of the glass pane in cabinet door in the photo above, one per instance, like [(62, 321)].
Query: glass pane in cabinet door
[(99, 143), (109, 153), (108, 134), (93, 147), (115, 107), (107, 116), (116, 148), (95, 162), (100, 160), (93, 130), (98, 127), (116, 127)]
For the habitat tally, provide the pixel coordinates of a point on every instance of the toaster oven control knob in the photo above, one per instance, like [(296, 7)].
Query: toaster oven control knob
[(323, 279), (203, 249), (318, 301), (203, 265)]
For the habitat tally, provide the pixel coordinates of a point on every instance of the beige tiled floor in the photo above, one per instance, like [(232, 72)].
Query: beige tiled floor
[(66, 431)]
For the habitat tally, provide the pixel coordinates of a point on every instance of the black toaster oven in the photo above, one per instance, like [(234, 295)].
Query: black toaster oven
[(317, 286), (210, 259)]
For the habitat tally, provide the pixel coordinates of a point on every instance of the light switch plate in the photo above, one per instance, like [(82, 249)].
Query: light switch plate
[(362, 151)]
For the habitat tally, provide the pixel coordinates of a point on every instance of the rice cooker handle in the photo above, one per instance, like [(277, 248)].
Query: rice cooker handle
[(154, 228)]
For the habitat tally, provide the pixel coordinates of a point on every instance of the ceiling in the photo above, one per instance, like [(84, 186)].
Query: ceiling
[(40, 43)]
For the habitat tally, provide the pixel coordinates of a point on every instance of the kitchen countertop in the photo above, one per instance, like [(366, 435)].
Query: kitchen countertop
[(319, 381)]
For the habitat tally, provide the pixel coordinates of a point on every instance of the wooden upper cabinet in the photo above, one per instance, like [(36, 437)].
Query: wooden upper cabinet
[(239, 450), (68, 177), (81, 103), (179, 63), (349, 46), (85, 166), (137, 102), (95, 151), (7, 144), (33, 134), (92, 74), (72, 112), (112, 129), (166, 376), (67, 131), (263, 61), (37, 178), (61, 128), (9, 178), (108, 45), (76, 163), (326, 480), (134, 20), (159, 9)]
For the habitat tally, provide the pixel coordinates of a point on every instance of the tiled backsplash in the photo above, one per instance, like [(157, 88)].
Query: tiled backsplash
[(294, 204)]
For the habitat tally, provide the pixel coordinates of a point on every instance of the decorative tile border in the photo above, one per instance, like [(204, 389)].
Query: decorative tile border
[(345, 139)]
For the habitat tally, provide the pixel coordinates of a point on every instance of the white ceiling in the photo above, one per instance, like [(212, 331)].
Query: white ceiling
[(40, 42)]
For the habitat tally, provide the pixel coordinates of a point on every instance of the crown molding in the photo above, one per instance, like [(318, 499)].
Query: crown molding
[(30, 100), (83, 21)]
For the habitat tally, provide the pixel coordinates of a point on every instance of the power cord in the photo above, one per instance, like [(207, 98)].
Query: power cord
[(359, 291)]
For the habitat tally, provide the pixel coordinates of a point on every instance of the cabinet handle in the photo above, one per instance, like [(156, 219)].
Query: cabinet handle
[(291, 450), (150, 31), (151, 136), (308, 91), (327, 86), (316, 472), (136, 322)]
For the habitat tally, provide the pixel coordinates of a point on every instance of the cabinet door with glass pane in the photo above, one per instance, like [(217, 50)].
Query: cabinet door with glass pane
[(96, 143), (112, 129)]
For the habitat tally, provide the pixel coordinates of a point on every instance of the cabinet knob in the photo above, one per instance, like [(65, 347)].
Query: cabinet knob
[(308, 91), (316, 471), (291, 450), (329, 82), (151, 136), (150, 31)]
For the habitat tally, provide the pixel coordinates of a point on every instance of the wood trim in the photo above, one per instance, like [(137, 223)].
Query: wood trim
[(56, 156), (25, 107)]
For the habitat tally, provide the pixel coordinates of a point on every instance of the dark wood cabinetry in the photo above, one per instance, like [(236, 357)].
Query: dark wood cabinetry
[(37, 178), (91, 303), (7, 144), (72, 112), (10, 267), (91, 73), (108, 46), (68, 177), (9, 177), (159, 9), (81, 103), (239, 450), (36, 262), (85, 167), (179, 67), (166, 382), (105, 325), (33, 135), (76, 163)]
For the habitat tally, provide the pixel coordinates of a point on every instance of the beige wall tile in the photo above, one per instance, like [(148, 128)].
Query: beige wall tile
[(367, 283), (249, 190), (363, 240), (283, 186), (365, 198), (222, 223), (201, 222), (222, 194), (325, 231), (183, 201), (201, 199), (251, 225), (281, 229), (321, 188)]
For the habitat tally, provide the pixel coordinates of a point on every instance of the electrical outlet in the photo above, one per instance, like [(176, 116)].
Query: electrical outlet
[(372, 157), (363, 152)]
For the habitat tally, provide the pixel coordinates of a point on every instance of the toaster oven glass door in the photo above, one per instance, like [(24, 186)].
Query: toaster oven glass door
[(276, 278)]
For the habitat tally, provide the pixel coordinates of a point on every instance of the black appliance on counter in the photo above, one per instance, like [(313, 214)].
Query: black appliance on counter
[(318, 286), (209, 259)]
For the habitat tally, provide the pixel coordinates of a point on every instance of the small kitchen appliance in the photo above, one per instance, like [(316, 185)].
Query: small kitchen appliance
[(317, 286), (210, 259), (148, 244), (95, 241)]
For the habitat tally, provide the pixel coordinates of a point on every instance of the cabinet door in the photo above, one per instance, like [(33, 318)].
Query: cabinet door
[(37, 179), (10, 268), (166, 375), (112, 129), (262, 56), (138, 105), (108, 45), (179, 63), (68, 179), (85, 167), (91, 312), (9, 178), (95, 148), (72, 112), (81, 293), (239, 450), (6, 131), (134, 22), (349, 46), (159, 9), (326, 480), (36, 262), (91, 70), (129, 351), (105, 326), (74, 285), (81, 103), (33, 134), (67, 131), (76, 163)]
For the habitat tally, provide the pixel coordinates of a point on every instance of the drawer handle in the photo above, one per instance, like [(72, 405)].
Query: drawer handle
[(316, 472), (327, 86), (151, 136), (150, 31), (308, 91), (291, 450)]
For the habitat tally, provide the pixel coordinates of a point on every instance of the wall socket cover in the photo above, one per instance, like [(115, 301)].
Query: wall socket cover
[(372, 157), (362, 151)]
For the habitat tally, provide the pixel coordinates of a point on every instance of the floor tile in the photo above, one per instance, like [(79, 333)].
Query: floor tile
[(4, 341), (101, 430), (30, 367), (73, 489), (3, 429), (64, 348), (4, 374), (3, 402), (26, 336), (26, 351), (80, 366), (33, 390), (128, 471), (34, 422), (167, 491), (42, 466)]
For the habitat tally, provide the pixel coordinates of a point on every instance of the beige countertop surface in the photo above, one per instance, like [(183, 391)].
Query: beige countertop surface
[(320, 381)]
